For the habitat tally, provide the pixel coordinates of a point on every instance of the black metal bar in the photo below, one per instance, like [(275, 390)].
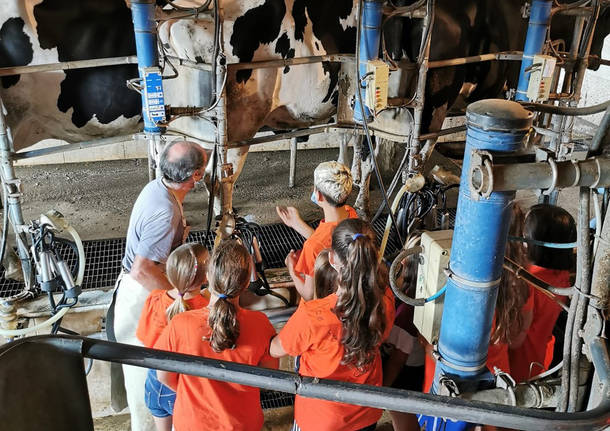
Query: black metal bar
[(352, 393)]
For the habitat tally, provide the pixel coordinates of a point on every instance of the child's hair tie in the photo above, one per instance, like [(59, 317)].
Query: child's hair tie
[(180, 294), (222, 296), (356, 236)]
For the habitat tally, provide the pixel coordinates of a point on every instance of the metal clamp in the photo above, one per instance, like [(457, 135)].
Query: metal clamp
[(481, 164), (577, 175), (470, 283), (554, 177), (439, 358), (13, 188)]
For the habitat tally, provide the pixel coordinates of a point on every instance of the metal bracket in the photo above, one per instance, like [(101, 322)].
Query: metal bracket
[(480, 177), (13, 188)]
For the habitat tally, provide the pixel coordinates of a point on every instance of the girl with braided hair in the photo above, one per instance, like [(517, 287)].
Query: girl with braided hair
[(223, 330)]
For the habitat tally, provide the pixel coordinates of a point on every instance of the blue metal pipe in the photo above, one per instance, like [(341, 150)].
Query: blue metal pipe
[(370, 33), (477, 251), (144, 26), (534, 41)]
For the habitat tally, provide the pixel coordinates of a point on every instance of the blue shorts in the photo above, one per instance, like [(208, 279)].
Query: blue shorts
[(158, 398)]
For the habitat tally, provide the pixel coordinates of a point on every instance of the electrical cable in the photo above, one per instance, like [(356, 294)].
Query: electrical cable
[(5, 223), (365, 125)]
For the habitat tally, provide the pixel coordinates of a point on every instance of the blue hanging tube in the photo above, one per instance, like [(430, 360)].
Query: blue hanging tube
[(477, 254), (370, 33), (534, 41), (144, 26)]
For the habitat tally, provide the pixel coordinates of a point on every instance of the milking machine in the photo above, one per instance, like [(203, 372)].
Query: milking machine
[(459, 269)]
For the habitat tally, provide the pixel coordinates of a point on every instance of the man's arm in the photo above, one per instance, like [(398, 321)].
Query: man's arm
[(291, 218), (149, 274)]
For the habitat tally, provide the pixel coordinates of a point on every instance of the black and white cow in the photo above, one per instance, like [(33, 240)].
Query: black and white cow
[(78, 105)]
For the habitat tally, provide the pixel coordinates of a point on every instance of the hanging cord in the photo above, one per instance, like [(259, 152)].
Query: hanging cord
[(365, 125), (5, 222)]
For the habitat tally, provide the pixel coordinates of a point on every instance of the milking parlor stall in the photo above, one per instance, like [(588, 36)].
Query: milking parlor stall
[(447, 110)]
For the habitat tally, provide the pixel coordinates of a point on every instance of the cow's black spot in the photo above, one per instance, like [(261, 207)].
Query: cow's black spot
[(317, 46), (325, 18), (282, 47), (199, 59), (257, 26), (88, 29), (15, 48)]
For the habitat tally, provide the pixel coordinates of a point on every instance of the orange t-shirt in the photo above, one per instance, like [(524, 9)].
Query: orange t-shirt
[(314, 332), (540, 334), (497, 354), (153, 319), (319, 240), (204, 404)]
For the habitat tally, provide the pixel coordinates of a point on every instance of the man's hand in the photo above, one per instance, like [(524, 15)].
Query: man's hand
[(290, 217)]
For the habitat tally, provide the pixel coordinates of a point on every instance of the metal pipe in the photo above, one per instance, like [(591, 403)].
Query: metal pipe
[(68, 65), (593, 172), (540, 13), (601, 131), (565, 110), (351, 393), (71, 147), (370, 34), (13, 190), (443, 132), (420, 92), (477, 251), (188, 63), (264, 64), (504, 55), (288, 135), (584, 263), (293, 162)]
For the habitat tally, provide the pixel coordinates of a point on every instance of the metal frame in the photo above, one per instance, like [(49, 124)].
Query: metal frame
[(364, 395)]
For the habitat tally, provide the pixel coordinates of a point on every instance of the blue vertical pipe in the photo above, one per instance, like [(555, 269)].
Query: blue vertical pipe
[(370, 33), (479, 239), (144, 26), (534, 41), (477, 254)]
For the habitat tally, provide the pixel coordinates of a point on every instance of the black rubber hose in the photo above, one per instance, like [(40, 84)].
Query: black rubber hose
[(393, 276), (565, 110)]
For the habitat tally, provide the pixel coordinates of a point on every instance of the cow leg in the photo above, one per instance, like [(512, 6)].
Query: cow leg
[(227, 176), (343, 143), (357, 161), (362, 204)]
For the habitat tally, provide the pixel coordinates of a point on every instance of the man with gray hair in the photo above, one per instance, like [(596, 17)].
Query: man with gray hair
[(156, 227), (332, 186)]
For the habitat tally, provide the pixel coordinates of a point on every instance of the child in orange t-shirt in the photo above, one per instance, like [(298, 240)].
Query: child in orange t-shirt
[(223, 330), (186, 271), (548, 223), (332, 186), (338, 336)]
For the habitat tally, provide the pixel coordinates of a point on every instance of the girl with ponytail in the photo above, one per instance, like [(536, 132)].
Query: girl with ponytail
[(338, 336), (186, 269), (222, 330)]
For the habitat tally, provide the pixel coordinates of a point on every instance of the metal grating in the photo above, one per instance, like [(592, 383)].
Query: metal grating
[(103, 257), (275, 400)]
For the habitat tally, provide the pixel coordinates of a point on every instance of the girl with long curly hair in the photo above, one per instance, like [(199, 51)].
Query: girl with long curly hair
[(338, 336)]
